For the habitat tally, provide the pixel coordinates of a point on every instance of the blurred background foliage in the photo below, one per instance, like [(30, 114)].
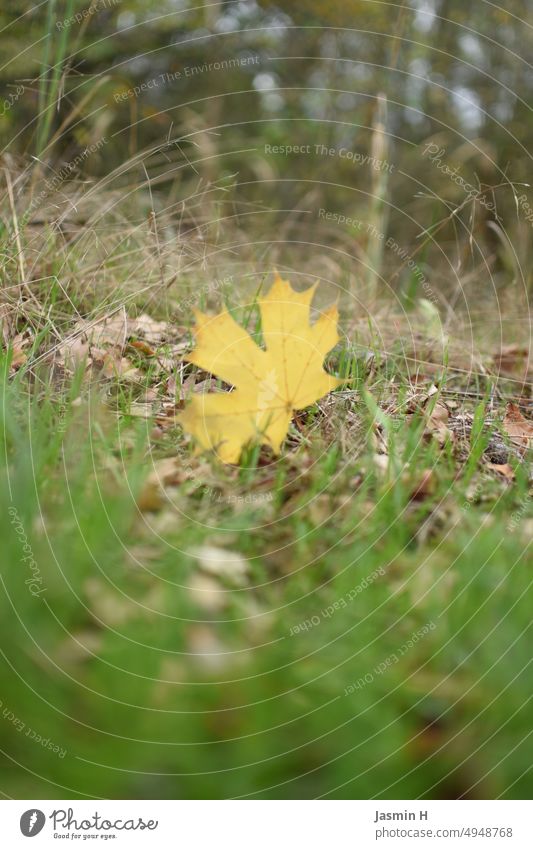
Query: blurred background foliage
[(319, 67), (173, 109), (134, 81), (438, 62)]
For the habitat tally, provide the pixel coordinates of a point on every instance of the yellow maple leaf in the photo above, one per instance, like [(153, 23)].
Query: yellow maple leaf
[(270, 383)]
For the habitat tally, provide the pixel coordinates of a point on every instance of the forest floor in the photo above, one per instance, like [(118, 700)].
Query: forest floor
[(347, 619)]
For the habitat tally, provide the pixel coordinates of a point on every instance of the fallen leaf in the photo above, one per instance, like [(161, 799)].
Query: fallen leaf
[(73, 352), (439, 413), (438, 431), (89, 340), (503, 469), (150, 499), (518, 428), (143, 347), (424, 486), (116, 366), (437, 424), (269, 383), (112, 330), (18, 359), (149, 329), (168, 471)]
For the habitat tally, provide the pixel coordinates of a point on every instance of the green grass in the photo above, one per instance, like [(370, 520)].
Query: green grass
[(153, 692)]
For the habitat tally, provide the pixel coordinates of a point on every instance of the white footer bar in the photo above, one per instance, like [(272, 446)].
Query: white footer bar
[(267, 824)]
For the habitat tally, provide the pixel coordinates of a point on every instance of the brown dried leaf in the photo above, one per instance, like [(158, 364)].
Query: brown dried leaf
[(424, 487), (151, 330), (73, 352), (143, 347), (107, 331), (18, 359), (518, 428), (439, 413), (503, 469), (117, 366)]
